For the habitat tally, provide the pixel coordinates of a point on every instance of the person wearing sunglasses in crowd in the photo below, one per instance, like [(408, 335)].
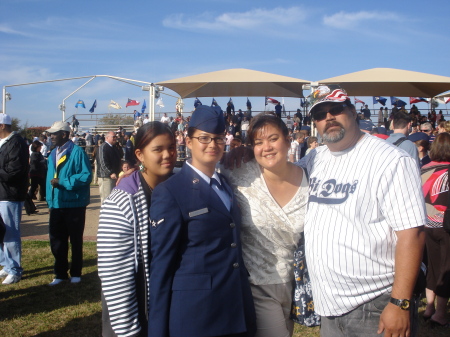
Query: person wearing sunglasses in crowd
[(428, 129), (198, 281), (364, 225)]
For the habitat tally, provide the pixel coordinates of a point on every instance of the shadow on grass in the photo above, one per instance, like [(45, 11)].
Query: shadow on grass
[(84, 326), (29, 273), (44, 298)]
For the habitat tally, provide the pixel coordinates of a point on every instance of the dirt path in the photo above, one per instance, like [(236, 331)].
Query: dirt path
[(35, 226)]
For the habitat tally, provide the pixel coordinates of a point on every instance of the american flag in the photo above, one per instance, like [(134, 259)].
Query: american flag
[(359, 101), (271, 100), (337, 95)]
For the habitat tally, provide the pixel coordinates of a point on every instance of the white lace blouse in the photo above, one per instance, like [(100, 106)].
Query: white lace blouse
[(269, 234)]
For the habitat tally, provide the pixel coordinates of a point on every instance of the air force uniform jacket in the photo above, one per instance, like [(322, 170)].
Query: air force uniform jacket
[(198, 282)]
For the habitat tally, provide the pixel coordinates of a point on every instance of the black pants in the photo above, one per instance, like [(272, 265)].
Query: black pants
[(35, 181), (67, 223)]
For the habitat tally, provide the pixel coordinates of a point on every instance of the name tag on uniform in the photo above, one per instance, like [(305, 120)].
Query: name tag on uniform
[(198, 212)]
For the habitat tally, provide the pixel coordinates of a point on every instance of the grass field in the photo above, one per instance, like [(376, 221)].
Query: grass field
[(32, 308)]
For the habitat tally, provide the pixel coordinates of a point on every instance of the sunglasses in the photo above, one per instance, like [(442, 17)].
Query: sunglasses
[(334, 111), (425, 130)]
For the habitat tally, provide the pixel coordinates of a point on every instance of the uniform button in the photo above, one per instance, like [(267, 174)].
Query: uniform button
[(235, 265), (232, 225), (233, 245)]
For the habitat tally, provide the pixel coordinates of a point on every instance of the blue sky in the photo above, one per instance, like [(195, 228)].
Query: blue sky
[(155, 41)]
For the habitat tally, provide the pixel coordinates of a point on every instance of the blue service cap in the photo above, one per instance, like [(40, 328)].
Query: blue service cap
[(414, 137), (381, 130), (366, 125), (208, 119)]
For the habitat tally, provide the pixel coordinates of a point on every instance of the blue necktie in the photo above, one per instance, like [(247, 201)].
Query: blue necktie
[(222, 193)]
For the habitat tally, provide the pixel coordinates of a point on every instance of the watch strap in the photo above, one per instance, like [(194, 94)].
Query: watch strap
[(403, 304)]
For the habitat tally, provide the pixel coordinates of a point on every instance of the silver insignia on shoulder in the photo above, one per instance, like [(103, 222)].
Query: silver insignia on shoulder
[(195, 181), (157, 223)]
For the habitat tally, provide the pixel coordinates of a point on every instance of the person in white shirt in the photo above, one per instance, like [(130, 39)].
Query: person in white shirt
[(296, 147), (289, 123), (273, 194), (364, 226), (244, 127), (165, 119)]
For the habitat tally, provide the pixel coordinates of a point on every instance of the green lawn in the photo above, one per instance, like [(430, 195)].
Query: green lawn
[(32, 308)]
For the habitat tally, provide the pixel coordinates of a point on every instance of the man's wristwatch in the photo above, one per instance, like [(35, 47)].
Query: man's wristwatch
[(403, 304)]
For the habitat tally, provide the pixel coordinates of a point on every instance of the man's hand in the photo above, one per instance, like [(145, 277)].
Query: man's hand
[(234, 158), (54, 182), (113, 176), (394, 322)]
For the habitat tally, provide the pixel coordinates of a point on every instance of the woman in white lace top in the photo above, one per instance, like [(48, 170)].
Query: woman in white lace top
[(272, 194)]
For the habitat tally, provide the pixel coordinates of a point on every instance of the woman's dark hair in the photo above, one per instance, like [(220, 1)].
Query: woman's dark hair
[(191, 131), (263, 119), (440, 148), (424, 143), (35, 145), (147, 132)]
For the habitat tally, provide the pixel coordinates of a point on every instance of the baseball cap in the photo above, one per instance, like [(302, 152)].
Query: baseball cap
[(5, 119), (208, 119), (381, 130), (366, 125), (327, 94), (416, 136), (59, 126)]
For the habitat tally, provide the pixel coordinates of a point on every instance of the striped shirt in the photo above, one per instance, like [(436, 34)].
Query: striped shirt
[(358, 198), (118, 246)]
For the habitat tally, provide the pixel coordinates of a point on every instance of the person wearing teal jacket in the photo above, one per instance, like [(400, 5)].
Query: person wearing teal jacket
[(68, 193)]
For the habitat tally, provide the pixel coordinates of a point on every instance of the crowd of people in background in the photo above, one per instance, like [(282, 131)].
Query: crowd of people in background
[(104, 158)]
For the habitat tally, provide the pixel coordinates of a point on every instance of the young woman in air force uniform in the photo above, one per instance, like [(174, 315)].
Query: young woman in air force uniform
[(198, 282)]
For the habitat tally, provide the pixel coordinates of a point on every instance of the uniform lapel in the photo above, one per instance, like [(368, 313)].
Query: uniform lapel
[(202, 192)]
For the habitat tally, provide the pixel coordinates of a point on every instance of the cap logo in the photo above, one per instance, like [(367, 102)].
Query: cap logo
[(321, 91)]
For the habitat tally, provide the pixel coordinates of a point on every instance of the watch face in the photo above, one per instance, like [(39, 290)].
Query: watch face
[(404, 304)]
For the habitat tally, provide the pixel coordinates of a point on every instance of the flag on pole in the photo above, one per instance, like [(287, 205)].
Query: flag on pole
[(160, 102), (398, 101), (359, 101), (271, 100), (232, 104), (249, 104), (80, 103), (197, 102), (114, 105), (214, 102), (417, 100), (91, 110), (379, 99), (131, 102), (144, 106), (302, 102), (447, 100)]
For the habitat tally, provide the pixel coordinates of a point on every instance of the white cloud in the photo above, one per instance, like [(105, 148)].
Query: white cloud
[(8, 30), (22, 74), (347, 20), (250, 20)]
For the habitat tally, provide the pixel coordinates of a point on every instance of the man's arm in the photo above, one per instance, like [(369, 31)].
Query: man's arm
[(408, 256)]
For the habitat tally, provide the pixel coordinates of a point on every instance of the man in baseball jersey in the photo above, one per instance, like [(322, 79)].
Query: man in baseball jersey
[(364, 225)]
